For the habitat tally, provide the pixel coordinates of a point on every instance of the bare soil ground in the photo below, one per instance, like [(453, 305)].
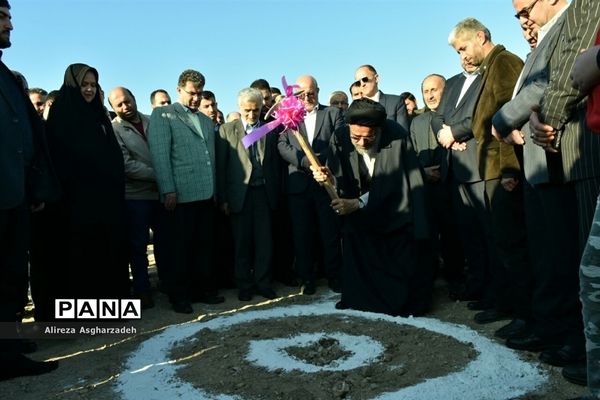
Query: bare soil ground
[(90, 366)]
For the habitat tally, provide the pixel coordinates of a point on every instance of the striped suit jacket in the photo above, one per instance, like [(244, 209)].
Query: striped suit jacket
[(183, 157), (563, 107), (538, 164)]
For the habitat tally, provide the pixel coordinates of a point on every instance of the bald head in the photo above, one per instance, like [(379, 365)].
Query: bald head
[(310, 91), (123, 103)]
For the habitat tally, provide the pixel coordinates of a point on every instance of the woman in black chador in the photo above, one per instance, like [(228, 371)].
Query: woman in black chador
[(91, 261)]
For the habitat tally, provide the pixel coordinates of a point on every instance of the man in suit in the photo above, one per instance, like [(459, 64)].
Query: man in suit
[(430, 155), (453, 127), (308, 201), (368, 80), (498, 163), (182, 145), (248, 190), (548, 311), (141, 191), (25, 184), (560, 126)]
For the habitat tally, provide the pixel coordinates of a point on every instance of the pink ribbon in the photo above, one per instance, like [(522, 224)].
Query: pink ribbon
[(289, 114)]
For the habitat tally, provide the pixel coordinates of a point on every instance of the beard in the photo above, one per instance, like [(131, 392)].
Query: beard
[(4, 43), (361, 150)]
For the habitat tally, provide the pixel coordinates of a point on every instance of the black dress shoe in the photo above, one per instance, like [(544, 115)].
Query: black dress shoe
[(208, 299), (27, 346), (463, 294), (517, 328), (340, 305), (491, 315), (23, 366), (335, 285), (146, 300), (480, 305), (308, 288), (267, 293), (532, 342), (182, 307), (245, 295), (563, 356), (576, 373)]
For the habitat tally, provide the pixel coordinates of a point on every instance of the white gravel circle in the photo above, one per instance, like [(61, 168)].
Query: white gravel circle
[(496, 374)]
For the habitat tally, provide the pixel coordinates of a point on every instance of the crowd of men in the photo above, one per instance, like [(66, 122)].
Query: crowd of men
[(498, 173)]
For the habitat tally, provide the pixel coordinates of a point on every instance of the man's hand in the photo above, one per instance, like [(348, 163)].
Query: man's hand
[(432, 174), (170, 201), (509, 184), (459, 146), (496, 134), (516, 137), (344, 206), (444, 136), (585, 73), (225, 208), (541, 134), (320, 174)]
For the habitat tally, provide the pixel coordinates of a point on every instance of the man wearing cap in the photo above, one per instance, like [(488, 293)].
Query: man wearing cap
[(386, 266)]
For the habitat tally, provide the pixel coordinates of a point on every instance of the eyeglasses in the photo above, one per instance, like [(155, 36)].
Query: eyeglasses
[(364, 79), (365, 139), (524, 13), (304, 95), (193, 94)]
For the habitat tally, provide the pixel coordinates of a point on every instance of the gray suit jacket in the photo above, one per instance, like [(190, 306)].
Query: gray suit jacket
[(465, 166), (395, 109), (563, 107), (183, 156), (539, 166), (234, 166)]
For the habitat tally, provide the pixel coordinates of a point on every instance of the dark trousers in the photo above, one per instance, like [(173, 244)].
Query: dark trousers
[(14, 243), (474, 226), (190, 229), (551, 216), (14, 237), (312, 215), (143, 215), (253, 241), (510, 281), (444, 230)]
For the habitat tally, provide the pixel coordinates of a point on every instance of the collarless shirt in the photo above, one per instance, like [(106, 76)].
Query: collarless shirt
[(310, 122)]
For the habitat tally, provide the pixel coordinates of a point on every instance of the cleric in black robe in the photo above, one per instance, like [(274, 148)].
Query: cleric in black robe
[(89, 252), (388, 264)]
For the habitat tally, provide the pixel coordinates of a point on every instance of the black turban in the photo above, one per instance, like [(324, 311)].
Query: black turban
[(365, 112), (4, 4)]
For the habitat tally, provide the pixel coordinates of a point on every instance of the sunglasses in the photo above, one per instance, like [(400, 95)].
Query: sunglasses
[(364, 79), (524, 13)]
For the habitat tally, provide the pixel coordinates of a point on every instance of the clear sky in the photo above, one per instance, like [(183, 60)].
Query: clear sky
[(145, 44)]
